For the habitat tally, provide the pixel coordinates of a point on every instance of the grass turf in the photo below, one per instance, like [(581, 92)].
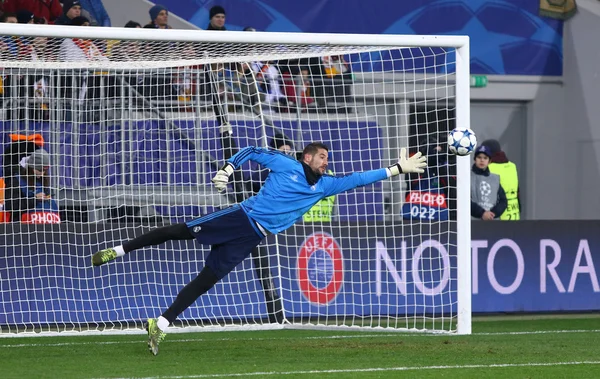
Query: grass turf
[(499, 348)]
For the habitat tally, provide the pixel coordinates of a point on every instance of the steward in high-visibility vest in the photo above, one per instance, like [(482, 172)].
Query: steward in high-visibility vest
[(509, 180), (321, 211)]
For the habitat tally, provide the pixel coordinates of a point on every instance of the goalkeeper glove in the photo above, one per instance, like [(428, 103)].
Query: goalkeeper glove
[(222, 177), (415, 164)]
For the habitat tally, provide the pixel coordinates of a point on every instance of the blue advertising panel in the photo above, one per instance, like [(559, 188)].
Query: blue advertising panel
[(363, 268), (536, 266), (156, 156), (507, 36), (343, 269)]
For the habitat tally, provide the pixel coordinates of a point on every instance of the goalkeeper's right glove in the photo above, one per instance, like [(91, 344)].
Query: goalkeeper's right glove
[(222, 177), (405, 165)]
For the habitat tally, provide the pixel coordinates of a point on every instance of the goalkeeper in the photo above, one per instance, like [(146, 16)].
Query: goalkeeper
[(290, 190)]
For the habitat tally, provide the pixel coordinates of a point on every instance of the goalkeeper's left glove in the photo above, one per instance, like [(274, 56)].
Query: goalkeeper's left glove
[(415, 164), (222, 177)]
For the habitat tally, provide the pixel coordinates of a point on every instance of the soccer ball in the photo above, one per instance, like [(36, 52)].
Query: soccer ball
[(461, 141)]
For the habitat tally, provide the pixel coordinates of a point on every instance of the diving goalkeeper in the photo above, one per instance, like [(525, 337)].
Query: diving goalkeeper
[(290, 190)]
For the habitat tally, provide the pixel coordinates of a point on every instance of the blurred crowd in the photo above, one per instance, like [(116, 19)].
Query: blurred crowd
[(282, 85)]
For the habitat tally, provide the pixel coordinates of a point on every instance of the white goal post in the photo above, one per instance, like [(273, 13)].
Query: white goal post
[(135, 123)]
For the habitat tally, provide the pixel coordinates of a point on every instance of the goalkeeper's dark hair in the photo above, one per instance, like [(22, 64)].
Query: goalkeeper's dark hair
[(313, 148)]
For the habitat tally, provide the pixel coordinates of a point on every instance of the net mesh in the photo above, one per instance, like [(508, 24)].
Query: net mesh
[(37, 52), (135, 130)]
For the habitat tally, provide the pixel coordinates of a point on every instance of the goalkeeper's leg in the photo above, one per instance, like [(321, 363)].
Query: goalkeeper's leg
[(153, 237), (156, 327), (220, 261), (273, 301)]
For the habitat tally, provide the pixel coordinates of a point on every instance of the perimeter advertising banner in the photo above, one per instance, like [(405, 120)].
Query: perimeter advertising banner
[(359, 268), (537, 266)]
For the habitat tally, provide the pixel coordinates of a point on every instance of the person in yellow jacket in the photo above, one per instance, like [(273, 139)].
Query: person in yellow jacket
[(509, 179)]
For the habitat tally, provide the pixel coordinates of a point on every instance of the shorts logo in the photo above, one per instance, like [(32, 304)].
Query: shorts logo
[(197, 229), (320, 268)]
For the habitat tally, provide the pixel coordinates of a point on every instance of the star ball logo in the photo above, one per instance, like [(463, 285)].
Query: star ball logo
[(320, 268)]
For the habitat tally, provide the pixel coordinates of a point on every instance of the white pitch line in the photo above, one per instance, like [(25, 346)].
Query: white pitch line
[(394, 335), (537, 332), (373, 369)]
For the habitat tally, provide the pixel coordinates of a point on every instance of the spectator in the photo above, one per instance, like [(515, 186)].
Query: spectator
[(27, 193), (25, 17), (132, 24), (9, 48), (80, 21), (268, 78), (9, 18), (78, 49), (509, 179), (86, 14), (29, 48), (159, 17), (125, 50), (34, 49), (335, 66), (296, 81), (282, 143), (71, 9), (40, 21), (246, 83), (488, 200), (50, 10), (212, 87), (20, 147), (97, 13), (216, 18)]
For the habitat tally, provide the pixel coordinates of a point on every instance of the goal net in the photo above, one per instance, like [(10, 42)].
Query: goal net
[(134, 123)]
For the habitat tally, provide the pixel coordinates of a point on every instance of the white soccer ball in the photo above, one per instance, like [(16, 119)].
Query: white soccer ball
[(461, 141)]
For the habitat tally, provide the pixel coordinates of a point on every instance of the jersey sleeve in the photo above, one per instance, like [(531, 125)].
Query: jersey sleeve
[(335, 185), (273, 160)]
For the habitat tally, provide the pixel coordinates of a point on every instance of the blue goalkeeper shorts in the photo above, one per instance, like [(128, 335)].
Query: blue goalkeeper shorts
[(231, 234)]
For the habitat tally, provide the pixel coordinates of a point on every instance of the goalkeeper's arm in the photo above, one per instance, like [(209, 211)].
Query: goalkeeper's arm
[(275, 161), (222, 177), (332, 185), (405, 165), (408, 165)]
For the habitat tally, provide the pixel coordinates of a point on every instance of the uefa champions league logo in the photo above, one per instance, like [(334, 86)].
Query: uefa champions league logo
[(485, 189), (495, 49), (320, 268)]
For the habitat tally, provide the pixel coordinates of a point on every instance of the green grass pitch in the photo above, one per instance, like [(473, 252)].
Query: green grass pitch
[(505, 347)]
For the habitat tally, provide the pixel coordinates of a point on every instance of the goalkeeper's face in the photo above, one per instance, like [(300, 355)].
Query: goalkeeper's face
[(318, 161)]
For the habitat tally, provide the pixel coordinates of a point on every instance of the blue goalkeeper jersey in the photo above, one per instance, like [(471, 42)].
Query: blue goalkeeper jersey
[(286, 194)]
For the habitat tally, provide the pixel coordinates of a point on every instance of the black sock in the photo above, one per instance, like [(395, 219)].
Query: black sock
[(158, 236), (273, 301), (192, 291)]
